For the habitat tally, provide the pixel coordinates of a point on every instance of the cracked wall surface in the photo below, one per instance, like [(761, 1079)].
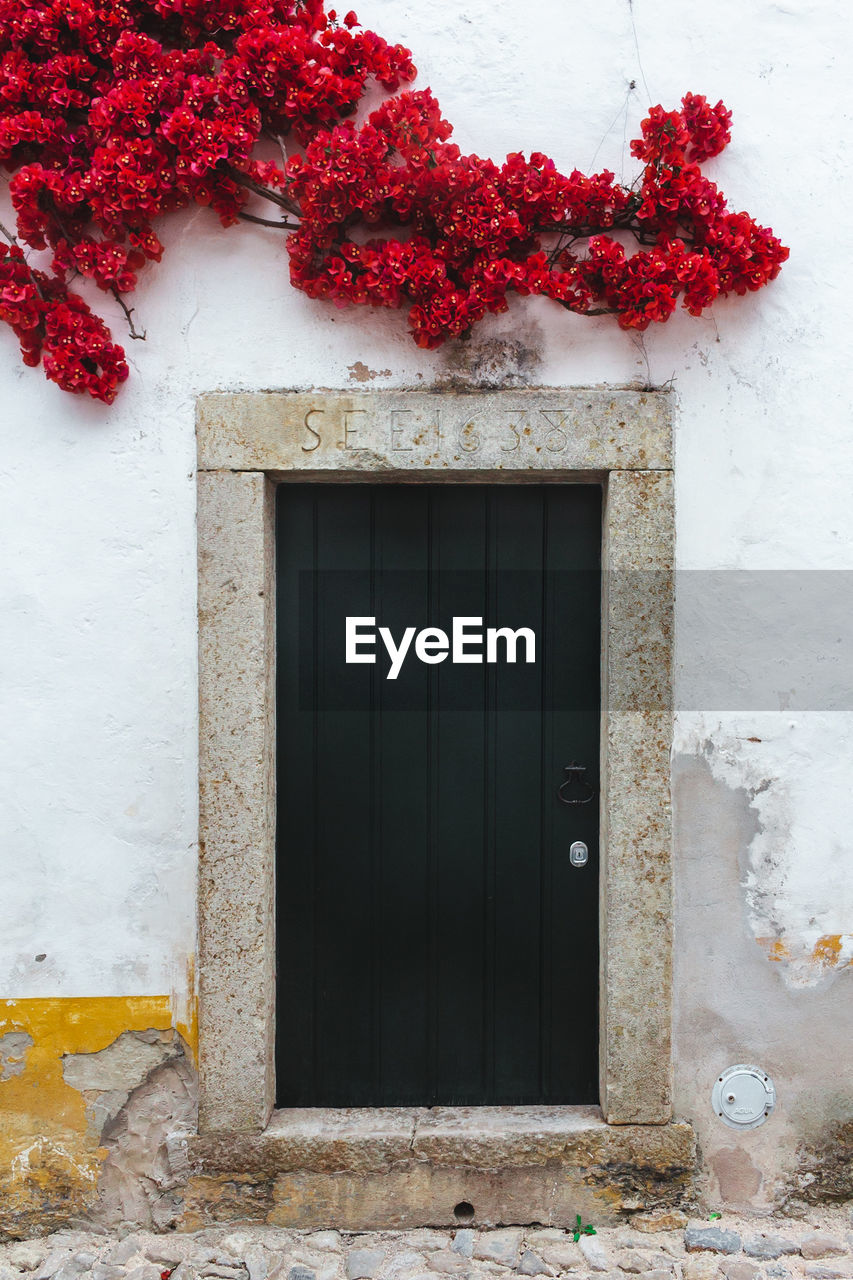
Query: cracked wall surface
[(142, 1179)]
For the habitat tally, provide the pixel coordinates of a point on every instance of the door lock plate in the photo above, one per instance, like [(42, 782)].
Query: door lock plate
[(578, 854)]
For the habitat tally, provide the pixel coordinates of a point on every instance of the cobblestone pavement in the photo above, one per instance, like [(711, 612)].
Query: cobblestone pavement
[(819, 1247)]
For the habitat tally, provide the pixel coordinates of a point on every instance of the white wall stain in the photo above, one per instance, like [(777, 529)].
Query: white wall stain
[(54, 1151)]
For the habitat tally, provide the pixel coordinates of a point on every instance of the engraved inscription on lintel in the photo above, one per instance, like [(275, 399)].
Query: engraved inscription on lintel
[(435, 430)]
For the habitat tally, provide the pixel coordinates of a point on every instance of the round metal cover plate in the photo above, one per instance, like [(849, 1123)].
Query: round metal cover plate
[(743, 1096)]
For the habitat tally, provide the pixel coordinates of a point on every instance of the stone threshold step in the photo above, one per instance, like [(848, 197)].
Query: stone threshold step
[(388, 1167)]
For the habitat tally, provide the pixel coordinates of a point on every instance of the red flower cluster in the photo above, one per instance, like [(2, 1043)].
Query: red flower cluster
[(477, 230), (115, 113), (56, 327)]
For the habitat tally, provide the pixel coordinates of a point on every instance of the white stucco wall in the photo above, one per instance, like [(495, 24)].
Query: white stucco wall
[(98, 764)]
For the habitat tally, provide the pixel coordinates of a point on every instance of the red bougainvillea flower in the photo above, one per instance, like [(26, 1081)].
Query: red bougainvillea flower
[(112, 115)]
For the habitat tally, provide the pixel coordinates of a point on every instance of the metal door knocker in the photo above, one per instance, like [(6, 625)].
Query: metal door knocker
[(575, 777)]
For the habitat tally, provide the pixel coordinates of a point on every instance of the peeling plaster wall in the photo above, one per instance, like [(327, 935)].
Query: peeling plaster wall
[(100, 1094), (98, 763), (762, 946)]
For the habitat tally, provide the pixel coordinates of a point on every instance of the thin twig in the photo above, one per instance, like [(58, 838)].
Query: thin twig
[(623, 107), (268, 222), (128, 314), (639, 340), (8, 234), (631, 89), (637, 47)]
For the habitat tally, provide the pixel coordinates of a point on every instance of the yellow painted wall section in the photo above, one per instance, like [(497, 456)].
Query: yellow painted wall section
[(49, 1164)]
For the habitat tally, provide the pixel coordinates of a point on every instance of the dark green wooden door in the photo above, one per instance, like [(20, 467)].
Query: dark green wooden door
[(435, 943)]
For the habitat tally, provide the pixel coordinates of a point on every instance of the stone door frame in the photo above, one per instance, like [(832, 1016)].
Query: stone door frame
[(248, 443)]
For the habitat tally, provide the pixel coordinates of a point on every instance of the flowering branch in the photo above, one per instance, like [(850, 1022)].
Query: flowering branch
[(113, 116)]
